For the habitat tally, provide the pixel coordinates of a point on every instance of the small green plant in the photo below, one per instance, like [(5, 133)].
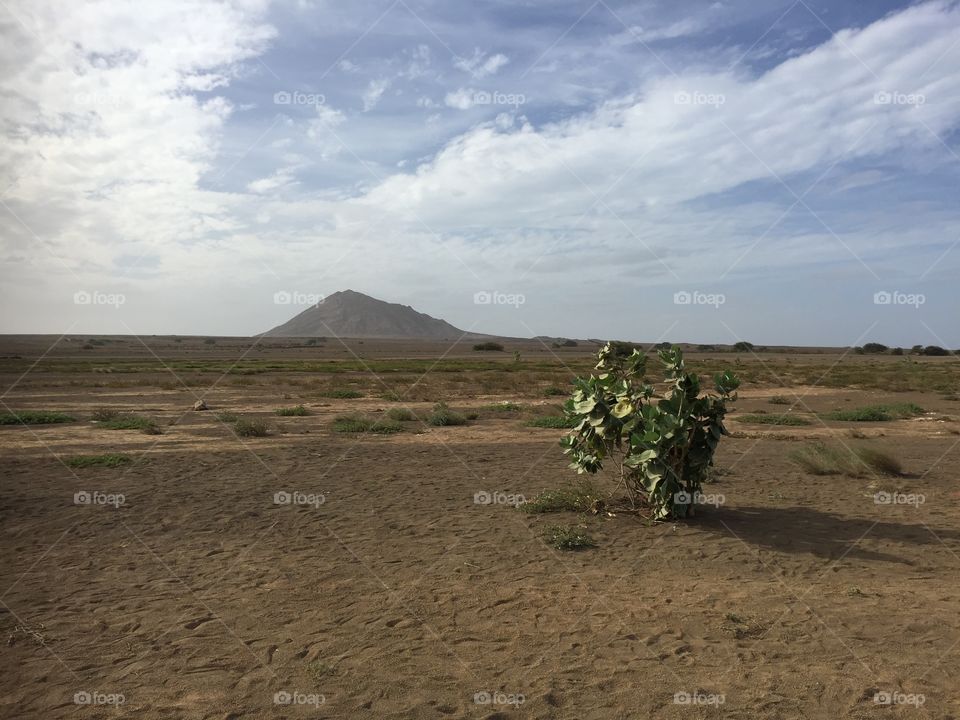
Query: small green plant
[(794, 420), (876, 413), (556, 422), (101, 414), (488, 347), (105, 460), (567, 537), (34, 417), (130, 421), (391, 396), (401, 414), (227, 417), (251, 427), (295, 411), (663, 448), (443, 416), (779, 400), (582, 497), (342, 394), (358, 424), (553, 391)]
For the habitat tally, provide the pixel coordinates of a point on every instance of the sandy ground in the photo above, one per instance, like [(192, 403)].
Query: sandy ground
[(399, 596)]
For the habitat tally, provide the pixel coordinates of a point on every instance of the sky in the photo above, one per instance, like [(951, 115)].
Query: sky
[(780, 172)]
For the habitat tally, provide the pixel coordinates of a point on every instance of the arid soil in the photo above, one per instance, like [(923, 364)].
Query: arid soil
[(386, 590)]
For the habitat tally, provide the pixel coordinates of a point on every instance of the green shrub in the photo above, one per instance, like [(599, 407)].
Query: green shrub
[(443, 416), (794, 420), (779, 400), (556, 422), (295, 411), (106, 460), (227, 417), (251, 427), (503, 406), (876, 413), (567, 537), (129, 421), (663, 448), (358, 424), (743, 346), (391, 396), (101, 414), (34, 417), (488, 347), (553, 391)]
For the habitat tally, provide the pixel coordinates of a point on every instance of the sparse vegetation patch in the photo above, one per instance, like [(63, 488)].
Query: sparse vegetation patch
[(34, 417)]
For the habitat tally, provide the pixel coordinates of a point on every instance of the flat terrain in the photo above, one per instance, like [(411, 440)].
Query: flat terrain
[(197, 595)]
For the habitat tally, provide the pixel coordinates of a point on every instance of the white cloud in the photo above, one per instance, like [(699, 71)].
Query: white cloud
[(462, 99), (480, 64), (373, 93)]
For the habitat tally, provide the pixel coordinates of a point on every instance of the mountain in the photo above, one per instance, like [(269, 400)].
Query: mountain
[(355, 315)]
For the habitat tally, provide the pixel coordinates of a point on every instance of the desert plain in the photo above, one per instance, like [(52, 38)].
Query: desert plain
[(314, 573)]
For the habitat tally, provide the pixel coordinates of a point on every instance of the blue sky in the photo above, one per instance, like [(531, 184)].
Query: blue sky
[(783, 172)]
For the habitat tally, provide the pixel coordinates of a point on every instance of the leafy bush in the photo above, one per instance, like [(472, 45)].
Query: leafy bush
[(876, 413), (821, 459), (743, 346), (106, 460), (568, 537), (295, 411), (794, 420), (359, 424), (488, 347), (443, 415), (874, 348), (34, 417), (251, 427), (557, 422), (935, 350), (663, 449)]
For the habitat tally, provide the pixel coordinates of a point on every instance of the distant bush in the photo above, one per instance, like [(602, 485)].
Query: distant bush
[(359, 424), (129, 421), (874, 348), (342, 394), (821, 459), (773, 420), (743, 346), (443, 416), (295, 411), (558, 422), (779, 400), (251, 427), (876, 413), (34, 417), (553, 391), (106, 460), (209, 341), (504, 406), (401, 414), (935, 350), (897, 351), (488, 347), (565, 343)]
